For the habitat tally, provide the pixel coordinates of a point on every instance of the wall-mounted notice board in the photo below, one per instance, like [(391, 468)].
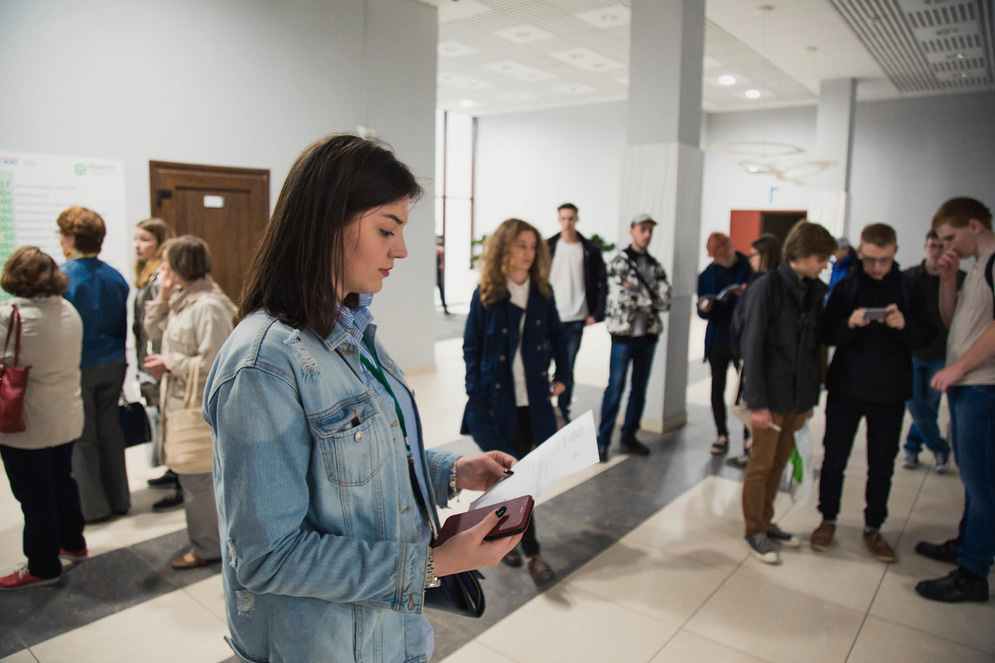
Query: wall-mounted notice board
[(35, 188)]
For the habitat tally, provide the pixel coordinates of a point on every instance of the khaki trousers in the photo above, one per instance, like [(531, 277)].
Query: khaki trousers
[(769, 453)]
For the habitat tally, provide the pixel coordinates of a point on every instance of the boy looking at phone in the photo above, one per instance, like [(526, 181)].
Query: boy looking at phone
[(875, 317)]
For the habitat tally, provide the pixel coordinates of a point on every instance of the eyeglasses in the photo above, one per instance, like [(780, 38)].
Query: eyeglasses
[(877, 261)]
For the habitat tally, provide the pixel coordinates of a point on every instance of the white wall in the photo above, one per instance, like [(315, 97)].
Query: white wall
[(245, 83), (910, 156), (530, 163)]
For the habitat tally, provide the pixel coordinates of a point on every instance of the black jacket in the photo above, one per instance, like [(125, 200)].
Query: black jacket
[(873, 364), (781, 352), (595, 282), (930, 285)]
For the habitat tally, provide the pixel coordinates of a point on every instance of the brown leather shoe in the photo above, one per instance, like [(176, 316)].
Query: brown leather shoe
[(189, 561), (822, 537), (879, 547), (540, 571)]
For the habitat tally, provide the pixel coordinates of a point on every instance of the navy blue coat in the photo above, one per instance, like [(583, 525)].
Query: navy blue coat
[(490, 340)]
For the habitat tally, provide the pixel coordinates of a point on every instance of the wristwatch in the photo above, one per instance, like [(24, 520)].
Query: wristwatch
[(430, 579)]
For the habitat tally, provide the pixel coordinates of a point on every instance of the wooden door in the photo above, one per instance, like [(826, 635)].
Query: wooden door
[(226, 207)]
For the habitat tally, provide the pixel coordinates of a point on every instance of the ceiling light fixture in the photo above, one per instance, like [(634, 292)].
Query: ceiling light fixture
[(946, 32), (727, 80), (466, 103), (752, 94)]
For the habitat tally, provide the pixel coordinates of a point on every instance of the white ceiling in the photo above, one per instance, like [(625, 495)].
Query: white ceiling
[(501, 56)]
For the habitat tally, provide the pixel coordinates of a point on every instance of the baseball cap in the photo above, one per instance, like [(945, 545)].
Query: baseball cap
[(641, 218), (843, 242)]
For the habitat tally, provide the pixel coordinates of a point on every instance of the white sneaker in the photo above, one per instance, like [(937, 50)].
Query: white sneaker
[(761, 548)]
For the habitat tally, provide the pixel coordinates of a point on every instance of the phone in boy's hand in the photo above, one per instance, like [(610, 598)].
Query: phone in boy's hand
[(875, 314), (515, 520)]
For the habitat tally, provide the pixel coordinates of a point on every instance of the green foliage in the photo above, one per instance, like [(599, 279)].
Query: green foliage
[(602, 245), (476, 248)]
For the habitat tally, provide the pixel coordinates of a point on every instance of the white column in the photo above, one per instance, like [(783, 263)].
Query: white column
[(662, 175)]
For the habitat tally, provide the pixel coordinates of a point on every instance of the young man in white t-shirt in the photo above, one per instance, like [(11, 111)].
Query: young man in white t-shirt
[(578, 279), (965, 227)]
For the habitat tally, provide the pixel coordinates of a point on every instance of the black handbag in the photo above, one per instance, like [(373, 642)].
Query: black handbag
[(134, 423), (459, 593)]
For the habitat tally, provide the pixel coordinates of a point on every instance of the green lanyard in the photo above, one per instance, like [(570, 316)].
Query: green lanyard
[(375, 371)]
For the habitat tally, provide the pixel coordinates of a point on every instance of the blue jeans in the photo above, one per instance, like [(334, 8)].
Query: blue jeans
[(972, 430), (572, 332), (639, 352), (924, 407)]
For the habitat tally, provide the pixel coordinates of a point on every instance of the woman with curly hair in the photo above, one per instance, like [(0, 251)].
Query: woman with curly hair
[(512, 332)]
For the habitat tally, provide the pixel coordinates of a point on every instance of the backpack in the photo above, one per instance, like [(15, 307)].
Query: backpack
[(739, 313), (988, 275)]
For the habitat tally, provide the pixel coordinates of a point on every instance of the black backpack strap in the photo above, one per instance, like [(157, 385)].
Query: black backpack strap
[(988, 275)]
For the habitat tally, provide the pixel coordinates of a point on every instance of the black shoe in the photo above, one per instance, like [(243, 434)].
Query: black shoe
[(603, 454), (512, 558), (169, 503), (167, 480), (941, 552), (633, 446), (959, 586)]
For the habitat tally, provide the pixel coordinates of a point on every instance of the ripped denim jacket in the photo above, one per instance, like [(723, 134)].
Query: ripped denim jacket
[(317, 517)]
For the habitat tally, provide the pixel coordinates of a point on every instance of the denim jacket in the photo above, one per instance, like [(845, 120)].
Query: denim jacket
[(317, 516)]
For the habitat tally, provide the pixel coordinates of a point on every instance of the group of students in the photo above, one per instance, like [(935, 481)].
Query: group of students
[(67, 467), (891, 351)]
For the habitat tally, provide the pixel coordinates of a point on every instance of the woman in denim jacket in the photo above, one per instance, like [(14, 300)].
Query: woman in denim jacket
[(512, 332), (326, 495)]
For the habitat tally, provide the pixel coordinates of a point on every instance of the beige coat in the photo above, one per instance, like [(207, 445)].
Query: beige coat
[(193, 326), (51, 343)]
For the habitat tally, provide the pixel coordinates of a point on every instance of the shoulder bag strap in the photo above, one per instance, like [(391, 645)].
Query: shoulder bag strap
[(15, 319), (191, 389), (988, 278)]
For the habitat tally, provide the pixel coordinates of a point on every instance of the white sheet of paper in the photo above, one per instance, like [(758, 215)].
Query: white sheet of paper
[(569, 450)]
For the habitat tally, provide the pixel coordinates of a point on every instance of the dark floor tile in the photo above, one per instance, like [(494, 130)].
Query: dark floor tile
[(10, 642), (160, 551), (101, 586)]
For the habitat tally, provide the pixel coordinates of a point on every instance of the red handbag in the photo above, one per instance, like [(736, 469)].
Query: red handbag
[(13, 382)]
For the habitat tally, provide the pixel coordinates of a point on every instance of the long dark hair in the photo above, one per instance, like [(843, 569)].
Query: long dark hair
[(301, 257)]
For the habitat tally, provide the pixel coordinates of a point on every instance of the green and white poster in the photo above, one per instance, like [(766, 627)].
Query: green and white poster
[(35, 188)]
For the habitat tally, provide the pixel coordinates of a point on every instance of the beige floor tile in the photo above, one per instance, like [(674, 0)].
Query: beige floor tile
[(848, 578), (880, 640), (567, 624), (776, 624), (474, 652), (687, 647), (650, 581), (209, 593), (970, 624), (23, 656), (172, 627)]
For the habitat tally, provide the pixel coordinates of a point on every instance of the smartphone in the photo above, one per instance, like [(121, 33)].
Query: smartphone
[(514, 521), (872, 314)]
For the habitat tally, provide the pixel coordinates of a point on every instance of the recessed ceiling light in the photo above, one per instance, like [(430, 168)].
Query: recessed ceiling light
[(946, 32), (466, 103), (727, 80), (752, 94)]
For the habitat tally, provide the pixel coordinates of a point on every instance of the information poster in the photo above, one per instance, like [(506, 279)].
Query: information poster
[(35, 188)]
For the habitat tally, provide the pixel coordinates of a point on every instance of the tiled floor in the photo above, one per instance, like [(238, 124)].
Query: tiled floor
[(649, 552)]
